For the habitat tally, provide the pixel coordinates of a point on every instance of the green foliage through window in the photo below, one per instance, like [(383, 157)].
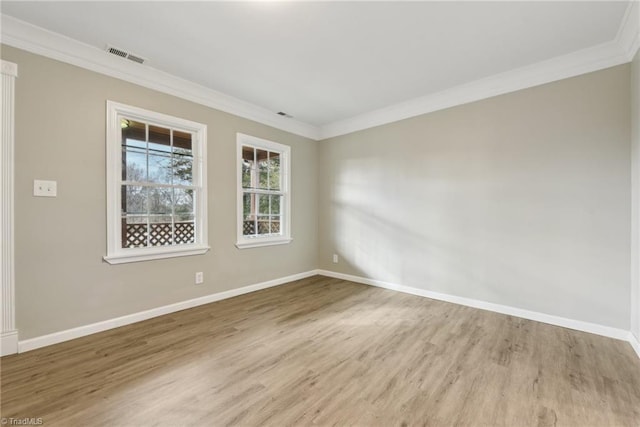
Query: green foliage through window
[(262, 196)]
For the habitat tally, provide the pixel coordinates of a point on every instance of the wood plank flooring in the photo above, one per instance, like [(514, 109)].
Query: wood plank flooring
[(324, 351)]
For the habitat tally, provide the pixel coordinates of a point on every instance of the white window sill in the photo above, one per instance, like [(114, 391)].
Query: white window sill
[(136, 255), (258, 242)]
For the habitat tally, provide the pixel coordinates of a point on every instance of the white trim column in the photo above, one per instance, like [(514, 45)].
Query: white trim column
[(634, 337), (9, 337)]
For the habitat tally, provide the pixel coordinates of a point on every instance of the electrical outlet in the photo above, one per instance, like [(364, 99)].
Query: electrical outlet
[(199, 278), (45, 188), (335, 258)]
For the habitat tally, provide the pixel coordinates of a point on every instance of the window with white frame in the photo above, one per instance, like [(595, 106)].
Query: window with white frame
[(264, 198), (156, 185)]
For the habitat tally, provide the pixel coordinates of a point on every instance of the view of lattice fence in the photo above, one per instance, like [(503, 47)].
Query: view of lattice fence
[(249, 227), (135, 235)]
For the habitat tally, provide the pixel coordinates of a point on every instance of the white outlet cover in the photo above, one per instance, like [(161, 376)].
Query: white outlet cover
[(199, 278)]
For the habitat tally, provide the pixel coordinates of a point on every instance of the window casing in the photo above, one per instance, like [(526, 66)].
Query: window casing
[(156, 185), (264, 199)]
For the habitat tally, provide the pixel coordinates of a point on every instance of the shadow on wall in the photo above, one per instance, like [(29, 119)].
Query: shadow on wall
[(443, 237)]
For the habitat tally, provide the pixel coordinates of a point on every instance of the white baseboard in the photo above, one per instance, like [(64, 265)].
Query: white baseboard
[(578, 325), (81, 331), (8, 343), (633, 340)]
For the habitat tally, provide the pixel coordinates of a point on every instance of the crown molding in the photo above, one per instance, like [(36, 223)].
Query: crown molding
[(621, 50), (618, 51), (56, 46), (628, 37)]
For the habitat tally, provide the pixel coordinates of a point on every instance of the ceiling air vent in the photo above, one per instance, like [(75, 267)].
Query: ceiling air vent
[(124, 54)]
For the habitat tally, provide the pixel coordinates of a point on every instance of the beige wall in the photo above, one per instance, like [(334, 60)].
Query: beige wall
[(635, 198), (522, 199), (61, 280)]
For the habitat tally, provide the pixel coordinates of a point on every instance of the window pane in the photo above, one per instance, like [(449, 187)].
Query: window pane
[(159, 169), (182, 165), (160, 230), (184, 230), (274, 170), (246, 173), (134, 231), (182, 142), (134, 150), (248, 164), (134, 222), (263, 203), (248, 227), (160, 200), (248, 214), (263, 169), (182, 158), (134, 164), (159, 155), (134, 200), (275, 205), (134, 134), (183, 204), (275, 225), (263, 224), (248, 201), (159, 140)]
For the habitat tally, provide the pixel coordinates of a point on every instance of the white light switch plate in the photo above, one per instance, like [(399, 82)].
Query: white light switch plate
[(45, 188)]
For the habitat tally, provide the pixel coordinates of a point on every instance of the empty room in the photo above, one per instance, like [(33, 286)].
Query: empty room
[(265, 213)]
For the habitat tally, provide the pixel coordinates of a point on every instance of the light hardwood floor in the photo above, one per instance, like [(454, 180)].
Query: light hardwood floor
[(324, 351)]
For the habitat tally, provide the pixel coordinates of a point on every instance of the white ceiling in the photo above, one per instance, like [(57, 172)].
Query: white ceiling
[(325, 62)]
